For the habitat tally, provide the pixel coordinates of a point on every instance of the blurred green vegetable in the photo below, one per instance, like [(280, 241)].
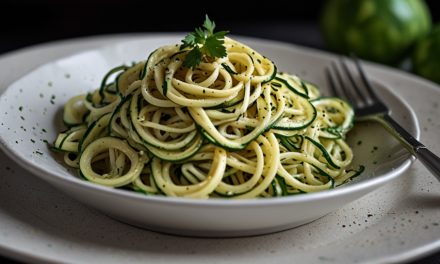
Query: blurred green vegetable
[(378, 30), (426, 56)]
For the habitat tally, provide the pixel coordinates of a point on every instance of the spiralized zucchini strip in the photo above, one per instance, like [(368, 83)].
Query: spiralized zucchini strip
[(230, 127), (163, 173), (175, 142), (145, 182), (237, 163), (271, 163), (115, 177)]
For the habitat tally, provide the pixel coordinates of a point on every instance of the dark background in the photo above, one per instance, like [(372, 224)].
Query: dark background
[(24, 23)]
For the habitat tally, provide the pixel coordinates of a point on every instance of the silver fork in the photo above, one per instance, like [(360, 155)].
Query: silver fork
[(368, 106)]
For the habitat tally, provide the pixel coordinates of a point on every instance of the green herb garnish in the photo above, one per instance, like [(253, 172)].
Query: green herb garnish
[(204, 43)]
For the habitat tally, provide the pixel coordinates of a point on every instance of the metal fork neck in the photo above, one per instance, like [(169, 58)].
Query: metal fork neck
[(411, 143)]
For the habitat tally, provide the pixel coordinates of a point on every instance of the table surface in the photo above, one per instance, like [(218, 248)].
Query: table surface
[(303, 34)]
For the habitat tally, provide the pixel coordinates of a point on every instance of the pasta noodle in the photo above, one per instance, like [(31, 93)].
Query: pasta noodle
[(231, 127)]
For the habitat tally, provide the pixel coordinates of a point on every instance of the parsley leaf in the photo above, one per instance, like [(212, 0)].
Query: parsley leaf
[(209, 25), (204, 44), (214, 45), (193, 58), (188, 41)]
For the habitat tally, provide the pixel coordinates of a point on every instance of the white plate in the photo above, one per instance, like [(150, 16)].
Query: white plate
[(327, 230)]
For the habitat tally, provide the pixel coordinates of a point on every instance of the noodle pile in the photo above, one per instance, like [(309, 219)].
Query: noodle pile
[(230, 127)]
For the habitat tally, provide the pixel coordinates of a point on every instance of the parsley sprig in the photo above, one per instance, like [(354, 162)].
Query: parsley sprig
[(204, 44)]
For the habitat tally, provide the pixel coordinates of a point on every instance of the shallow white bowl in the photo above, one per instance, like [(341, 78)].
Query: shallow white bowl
[(31, 115)]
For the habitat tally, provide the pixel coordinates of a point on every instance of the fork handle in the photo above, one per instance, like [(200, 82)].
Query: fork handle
[(430, 160), (420, 151)]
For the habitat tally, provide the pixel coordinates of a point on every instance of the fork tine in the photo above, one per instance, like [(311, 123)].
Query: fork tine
[(356, 88), (331, 82), (342, 84), (365, 80)]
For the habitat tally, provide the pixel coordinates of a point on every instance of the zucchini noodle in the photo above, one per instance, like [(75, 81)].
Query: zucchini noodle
[(232, 127)]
